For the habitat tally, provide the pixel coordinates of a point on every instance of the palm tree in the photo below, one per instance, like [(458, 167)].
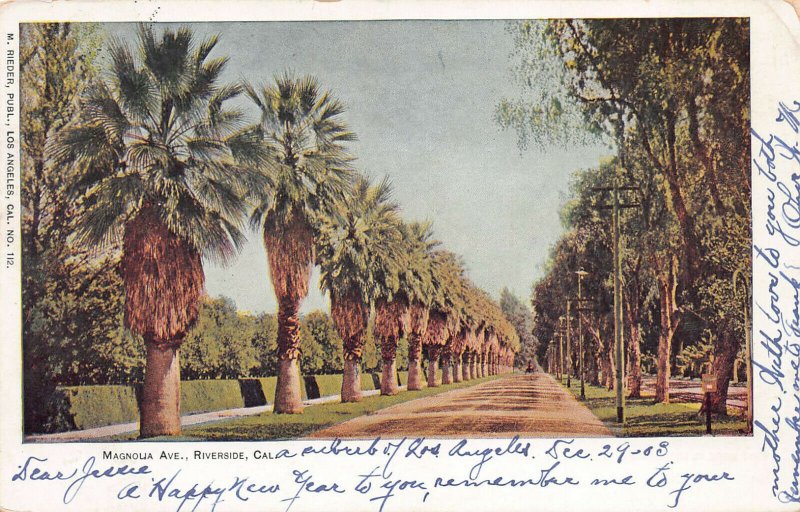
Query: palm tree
[(309, 172), (165, 166), (408, 282), (356, 248), (460, 336), (422, 244), (446, 309)]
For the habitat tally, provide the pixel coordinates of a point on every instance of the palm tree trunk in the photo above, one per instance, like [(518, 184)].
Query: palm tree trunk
[(287, 389), (350, 316), (433, 362), (391, 322), (447, 376), (389, 372), (389, 378), (161, 393), (164, 280), (456, 359), (473, 366), (414, 355), (290, 252), (351, 381), (465, 366)]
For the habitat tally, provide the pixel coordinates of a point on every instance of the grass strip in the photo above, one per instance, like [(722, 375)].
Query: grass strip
[(644, 418)]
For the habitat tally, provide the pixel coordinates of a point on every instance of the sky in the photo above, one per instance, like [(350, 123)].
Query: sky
[(421, 96)]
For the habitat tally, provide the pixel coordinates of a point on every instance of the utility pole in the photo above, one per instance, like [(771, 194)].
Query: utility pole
[(561, 350), (619, 353), (581, 273)]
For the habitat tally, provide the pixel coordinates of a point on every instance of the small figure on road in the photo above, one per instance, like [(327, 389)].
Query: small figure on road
[(529, 369)]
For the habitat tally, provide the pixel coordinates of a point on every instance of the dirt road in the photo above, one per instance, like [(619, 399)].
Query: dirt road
[(529, 405)]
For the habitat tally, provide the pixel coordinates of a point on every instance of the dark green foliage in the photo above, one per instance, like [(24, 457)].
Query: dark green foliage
[(210, 395), (82, 407), (329, 384), (321, 345), (521, 318), (265, 343), (221, 344)]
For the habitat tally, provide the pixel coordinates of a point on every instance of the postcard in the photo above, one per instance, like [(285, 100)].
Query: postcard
[(408, 256)]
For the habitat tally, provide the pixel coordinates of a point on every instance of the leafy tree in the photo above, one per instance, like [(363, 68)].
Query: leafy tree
[(71, 305), (521, 318), (672, 97), (321, 345), (167, 166), (421, 244), (309, 171), (220, 345), (265, 342)]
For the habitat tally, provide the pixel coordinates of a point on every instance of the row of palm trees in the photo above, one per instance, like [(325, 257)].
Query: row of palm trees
[(166, 167)]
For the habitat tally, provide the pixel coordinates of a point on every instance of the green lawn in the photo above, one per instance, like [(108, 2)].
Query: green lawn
[(269, 426), (643, 418)]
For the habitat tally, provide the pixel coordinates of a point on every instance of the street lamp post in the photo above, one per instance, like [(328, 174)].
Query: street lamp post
[(569, 347), (581, 273)]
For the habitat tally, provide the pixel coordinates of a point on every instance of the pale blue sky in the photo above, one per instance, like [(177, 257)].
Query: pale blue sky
[(420, 95)]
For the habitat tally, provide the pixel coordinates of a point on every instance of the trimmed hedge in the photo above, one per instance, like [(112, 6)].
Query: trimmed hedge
[(82, 407), (210, 395), (370, 381), (329, 384)]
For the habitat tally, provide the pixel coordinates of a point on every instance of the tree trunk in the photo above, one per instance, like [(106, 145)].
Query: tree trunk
[(389, 378), (702, 153), (290, 253), (594, 372), (351, 381), (634, 351), (447, 377), (287, 389), (685, 220), (414, 355), (433, 364), (725, 350), (161, 393), (465, 374), (666, 290), (456, 367), (389, 357), (608, 369), (164, 280), (351, 316)]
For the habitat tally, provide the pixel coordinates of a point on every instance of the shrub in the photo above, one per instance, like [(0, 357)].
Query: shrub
[(210, 395), (82, 407), (329, 384)]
